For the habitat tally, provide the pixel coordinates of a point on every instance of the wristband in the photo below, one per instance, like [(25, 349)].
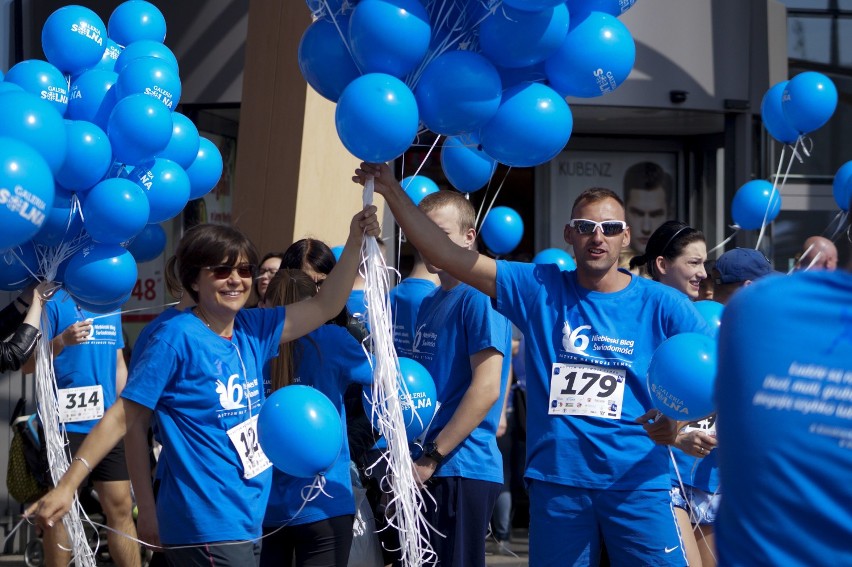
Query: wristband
[(85, 463)]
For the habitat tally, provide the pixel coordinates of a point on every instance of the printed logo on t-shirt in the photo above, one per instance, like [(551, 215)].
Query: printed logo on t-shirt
[(423, 339), (231, 395), (573, 340)]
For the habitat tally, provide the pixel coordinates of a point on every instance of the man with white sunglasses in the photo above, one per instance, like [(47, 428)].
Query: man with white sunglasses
[(592, 469)]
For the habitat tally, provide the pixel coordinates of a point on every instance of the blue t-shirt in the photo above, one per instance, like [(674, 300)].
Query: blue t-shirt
[(328, 359), (147, 331), (91, 363), (405, 301), (784, 396), (583, 349), (199, 386), (453, 325)]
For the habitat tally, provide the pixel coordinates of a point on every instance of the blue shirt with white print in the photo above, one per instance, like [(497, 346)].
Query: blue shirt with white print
[(200, 386)]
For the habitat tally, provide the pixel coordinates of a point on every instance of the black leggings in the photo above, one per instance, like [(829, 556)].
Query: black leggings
[(325, 543)]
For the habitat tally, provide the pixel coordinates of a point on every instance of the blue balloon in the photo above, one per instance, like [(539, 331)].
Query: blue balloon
[(26, 192), (531, 127), (136, 20), (104, 308), (110, 56), (502, 230), (152, 77), (73, 38), (183, 145), (139, 128), (389, 36), (842, 186), (145, 48), (516, 38), (88, 158), (63, 223), (325, 61), (773, 116), (376, 117), (754, 202), (18, 267), (337, 251), (681, 376), (466, 166), (809, 101), (418, 399), (10, 88), (418, 186), (93, 97), (556, 256), (34, 122), (595, 58), (533, 5), (115, 210), (300, 431), (166, 185), (206, 170), (581, 8), (712, 313), (43, 80), (149, 244), (100, 274), (458, 92)]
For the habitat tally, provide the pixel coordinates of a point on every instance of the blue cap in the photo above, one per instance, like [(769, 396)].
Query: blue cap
[(741, 264)]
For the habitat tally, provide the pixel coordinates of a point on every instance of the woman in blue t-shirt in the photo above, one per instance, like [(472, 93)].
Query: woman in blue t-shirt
[(316, 532), (201, 374), (675, 256)]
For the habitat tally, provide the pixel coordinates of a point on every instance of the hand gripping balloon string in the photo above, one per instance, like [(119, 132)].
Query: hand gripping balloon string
[(55, 444), (408, 501)]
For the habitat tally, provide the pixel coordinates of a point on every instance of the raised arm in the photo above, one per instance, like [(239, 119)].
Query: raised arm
[(305, 316), (465, 265)]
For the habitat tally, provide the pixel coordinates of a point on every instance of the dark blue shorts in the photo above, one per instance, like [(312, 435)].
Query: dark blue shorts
[(462, 514)]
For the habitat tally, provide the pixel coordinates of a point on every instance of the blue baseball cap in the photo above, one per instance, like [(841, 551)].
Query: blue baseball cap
[(741, 264)]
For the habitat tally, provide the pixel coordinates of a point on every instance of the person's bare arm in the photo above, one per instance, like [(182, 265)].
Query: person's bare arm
[(305, 316), (465, 265), (75, 334), (481, 395), (139, 467), (120, 372)]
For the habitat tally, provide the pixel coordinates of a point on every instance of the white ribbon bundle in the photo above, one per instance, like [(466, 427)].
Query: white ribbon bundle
[(405, 512)]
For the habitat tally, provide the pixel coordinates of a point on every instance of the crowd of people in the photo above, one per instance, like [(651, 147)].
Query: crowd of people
[(608, 477)]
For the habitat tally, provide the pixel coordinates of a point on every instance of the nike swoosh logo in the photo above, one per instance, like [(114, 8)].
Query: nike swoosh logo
[(669, 550)]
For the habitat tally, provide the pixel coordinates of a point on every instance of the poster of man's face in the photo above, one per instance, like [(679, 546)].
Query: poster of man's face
[(645, 181)]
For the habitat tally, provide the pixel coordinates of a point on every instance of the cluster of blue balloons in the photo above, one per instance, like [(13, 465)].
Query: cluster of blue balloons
[(396, 66), (799, 106), (92, 151)]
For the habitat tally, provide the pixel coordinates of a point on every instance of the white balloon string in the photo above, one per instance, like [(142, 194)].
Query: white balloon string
[(55, 442), (493, 199), (138, 309), (406, 509), (776, 189), (724, 242), (841, 218)]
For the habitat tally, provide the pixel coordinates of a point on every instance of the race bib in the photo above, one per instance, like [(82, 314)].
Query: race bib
[(584, 389), (81, 404), (706, 425), (244, 439)]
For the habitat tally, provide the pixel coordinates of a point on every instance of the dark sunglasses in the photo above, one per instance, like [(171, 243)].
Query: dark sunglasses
[(608, 228), (224, 272)]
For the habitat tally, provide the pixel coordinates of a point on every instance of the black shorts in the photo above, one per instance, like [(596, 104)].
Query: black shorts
[(113, 467)]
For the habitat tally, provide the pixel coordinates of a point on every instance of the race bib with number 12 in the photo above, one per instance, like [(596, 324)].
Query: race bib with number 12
[(244, 439), (584, 389)]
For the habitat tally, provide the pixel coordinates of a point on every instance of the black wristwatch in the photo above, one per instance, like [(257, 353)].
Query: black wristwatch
[(431, 451)]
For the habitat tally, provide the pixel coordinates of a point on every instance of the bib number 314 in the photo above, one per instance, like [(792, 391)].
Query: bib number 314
[(244, 439), (81, 404), (583, 389)]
